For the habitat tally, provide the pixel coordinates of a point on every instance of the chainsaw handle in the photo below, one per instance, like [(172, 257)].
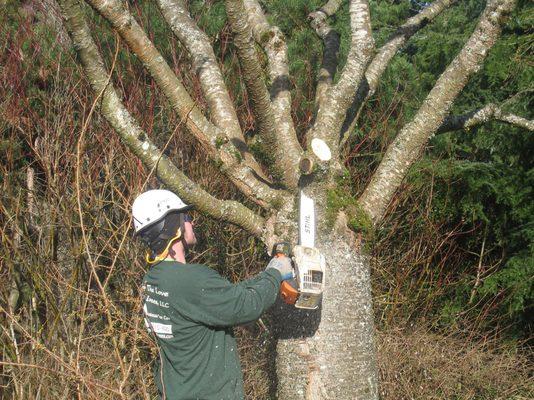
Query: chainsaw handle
[(281, 249)]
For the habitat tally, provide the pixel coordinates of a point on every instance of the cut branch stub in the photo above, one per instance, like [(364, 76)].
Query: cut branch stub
[(306, 165)]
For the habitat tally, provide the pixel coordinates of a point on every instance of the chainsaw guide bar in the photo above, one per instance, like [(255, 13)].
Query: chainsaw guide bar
[(305, 289)]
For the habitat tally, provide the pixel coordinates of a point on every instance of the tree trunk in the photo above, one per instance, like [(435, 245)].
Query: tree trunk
[(329, 353)]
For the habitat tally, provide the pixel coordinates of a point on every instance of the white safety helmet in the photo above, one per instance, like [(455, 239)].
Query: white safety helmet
[(152, 206)]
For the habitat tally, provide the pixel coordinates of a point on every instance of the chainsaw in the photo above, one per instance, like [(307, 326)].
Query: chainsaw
[(305, 289)]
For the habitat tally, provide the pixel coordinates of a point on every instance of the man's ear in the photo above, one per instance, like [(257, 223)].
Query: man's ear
[(189, 234)]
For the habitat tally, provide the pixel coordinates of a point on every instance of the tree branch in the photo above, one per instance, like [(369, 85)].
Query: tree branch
[(273, 42), (411, 140), (338, 99), (236, 160), (286, 158), (482, 116), (331, 47), (384, 56), (331, 7), (252, 73), (134, 137), (197, 43), (399, 38)]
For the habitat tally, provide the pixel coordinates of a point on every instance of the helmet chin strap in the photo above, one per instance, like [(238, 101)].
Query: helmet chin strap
[(165, 252)]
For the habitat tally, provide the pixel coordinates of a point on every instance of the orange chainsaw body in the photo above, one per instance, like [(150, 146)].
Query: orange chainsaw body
[(289, 291), (289, 288)]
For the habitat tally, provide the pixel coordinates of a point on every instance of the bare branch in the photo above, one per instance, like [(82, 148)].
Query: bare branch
[(361, 46), (331, 7), (205, 65), (516, 120), (399, 38), (384, 56), (331, 46), (237, 162), (411, 140), (338, 99), (273, 42), (134, 137), (244, 42), (482, 116), (286, 158)]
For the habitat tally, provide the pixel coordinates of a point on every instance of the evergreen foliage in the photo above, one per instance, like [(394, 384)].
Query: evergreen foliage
[(483, 177)]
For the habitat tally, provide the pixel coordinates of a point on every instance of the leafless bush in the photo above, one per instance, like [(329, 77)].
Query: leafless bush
[(70, 307), (424, 365)]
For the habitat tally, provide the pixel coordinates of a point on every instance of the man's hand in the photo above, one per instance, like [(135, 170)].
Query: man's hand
[(282, 264)]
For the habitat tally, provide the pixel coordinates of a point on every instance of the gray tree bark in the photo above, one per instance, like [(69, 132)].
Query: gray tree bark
[(330, 353), (282, 143), (478, 117)]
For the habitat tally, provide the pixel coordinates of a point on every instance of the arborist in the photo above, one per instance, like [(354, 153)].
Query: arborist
[(191, 309)]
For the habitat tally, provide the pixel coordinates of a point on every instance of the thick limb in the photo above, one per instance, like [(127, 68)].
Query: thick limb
[(233, 154), (205, 65), (136, 140), (285, 157), (331, 47), (272, 40)]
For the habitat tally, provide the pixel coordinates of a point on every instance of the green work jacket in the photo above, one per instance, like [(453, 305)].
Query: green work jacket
[(191, 309)]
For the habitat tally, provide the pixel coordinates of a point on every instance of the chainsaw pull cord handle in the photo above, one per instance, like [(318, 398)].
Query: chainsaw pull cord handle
[(289, 291)]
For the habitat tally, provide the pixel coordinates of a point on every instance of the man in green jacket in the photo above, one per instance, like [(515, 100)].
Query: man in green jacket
[(191, 309)]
